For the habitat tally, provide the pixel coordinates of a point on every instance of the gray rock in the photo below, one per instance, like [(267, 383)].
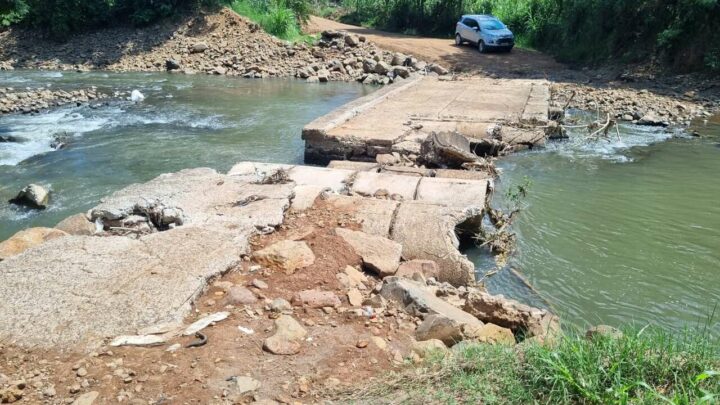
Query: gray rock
[(438, 69), (603, 331), (418, 300), (441, 328), (497, 309), (382, 68), (447, 150), (379, 255), (316, 299), (652, 119), (33, 196), (401, 71), (199, 47), (238, 295), (352, 41), (172, 64)]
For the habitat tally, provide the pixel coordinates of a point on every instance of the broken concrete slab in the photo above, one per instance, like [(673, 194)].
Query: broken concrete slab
[(305, 196), (353, 165), (511, 314), (379, 255), (465, 193), (427, 231), (376, 184), (378, 123), (417, 299), (374, 215), (86, 289), (27, 239), (89, 288), (334, 179)]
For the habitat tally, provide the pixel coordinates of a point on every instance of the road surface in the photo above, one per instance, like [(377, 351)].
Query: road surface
[(465, 59)]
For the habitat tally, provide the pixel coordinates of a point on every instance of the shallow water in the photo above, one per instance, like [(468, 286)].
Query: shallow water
[(185, 122), (621, 232)]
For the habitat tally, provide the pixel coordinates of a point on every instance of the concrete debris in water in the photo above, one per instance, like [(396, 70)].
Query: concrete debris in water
[(136, 96), (32, 196)]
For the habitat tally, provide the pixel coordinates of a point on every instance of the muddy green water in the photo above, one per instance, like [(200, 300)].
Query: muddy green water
[(185, 122), (621, 232)]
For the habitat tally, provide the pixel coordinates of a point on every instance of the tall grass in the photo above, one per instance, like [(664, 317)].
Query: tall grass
[(281, 18), (641, 367)]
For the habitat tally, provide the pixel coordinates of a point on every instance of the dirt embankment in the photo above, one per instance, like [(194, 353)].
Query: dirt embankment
[(222, 44)]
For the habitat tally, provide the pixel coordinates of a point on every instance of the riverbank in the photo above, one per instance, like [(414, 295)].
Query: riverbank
[(224, 43), (221, 43)]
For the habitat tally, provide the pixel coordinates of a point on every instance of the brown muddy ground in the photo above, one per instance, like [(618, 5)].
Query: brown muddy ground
[(341, 348)]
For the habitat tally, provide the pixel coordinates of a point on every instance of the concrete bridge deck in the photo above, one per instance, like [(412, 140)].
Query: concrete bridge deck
[(397, 118)]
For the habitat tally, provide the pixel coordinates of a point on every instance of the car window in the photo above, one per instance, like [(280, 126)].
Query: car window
[(470, 22), (492, 25)]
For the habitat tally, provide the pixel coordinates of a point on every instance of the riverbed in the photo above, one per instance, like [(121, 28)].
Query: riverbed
[(620, 232), (613, 232), (186, 121)]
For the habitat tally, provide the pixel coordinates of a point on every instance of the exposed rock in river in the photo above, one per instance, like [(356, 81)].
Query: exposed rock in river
[(33, 196)]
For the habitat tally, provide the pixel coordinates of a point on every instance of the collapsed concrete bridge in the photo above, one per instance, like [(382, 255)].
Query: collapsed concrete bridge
[(398, 118)]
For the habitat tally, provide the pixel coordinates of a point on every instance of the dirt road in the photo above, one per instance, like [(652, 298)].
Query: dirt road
[(466, 59)]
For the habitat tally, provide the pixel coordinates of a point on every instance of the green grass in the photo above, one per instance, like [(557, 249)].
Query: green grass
[(274, 17), (642, 367)]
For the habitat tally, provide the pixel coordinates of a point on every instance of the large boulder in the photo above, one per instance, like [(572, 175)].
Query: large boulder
[(489, 333), (33, 196), (199, 47), (507, 313), (441, 328), (27, 239), (287, 255), (379, 255)]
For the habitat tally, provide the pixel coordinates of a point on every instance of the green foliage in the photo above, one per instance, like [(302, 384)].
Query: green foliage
[(12, 11), (587, 31), (63, 17), (647, 368), (641, 367), (281, 18)]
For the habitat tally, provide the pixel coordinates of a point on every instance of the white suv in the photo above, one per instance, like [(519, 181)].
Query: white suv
[(486, 31)]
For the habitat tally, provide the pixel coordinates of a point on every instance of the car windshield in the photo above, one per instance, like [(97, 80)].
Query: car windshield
[(492, 25)]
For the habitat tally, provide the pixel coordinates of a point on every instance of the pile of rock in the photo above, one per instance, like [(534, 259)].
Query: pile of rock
[(219, 44), (33, 100), (353, 58), (639, 106)]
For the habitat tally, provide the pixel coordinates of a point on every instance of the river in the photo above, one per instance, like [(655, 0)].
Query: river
[(620, 232), (185, 121), (613, 232)]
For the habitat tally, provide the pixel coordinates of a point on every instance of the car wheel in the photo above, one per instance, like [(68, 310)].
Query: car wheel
[(458, 40), (481, 47), (509, 49)]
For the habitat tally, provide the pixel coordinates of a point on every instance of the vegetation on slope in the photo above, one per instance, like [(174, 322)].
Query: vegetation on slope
[(641, 367), (682, 33), (281, 18)]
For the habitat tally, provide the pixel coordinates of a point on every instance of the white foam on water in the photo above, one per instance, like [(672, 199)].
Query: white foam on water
[(37, 132), (612, 148)]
